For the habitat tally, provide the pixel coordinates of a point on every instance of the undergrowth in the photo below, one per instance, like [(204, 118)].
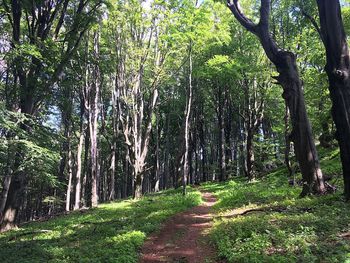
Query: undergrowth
[(110, 233), (266, 221)]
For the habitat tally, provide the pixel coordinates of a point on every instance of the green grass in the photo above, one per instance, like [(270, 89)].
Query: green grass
[(110, 233), (281, 227)]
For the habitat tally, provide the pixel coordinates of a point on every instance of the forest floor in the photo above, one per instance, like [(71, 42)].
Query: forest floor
[(112, 232), (183, 238), (260, 221), (266, 220)]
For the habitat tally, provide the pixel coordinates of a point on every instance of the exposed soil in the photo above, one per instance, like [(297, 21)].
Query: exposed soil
[(182, 238)]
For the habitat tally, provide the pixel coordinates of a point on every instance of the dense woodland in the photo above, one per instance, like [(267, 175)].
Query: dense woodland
[(103, 100)]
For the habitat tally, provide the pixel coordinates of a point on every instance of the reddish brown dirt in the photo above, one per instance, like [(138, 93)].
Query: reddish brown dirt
[(182, 238)]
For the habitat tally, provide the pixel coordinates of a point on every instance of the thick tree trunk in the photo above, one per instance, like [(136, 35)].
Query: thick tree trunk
[(301, 134), (289, 79), (138, 175), (5, 190), (6, 182), (13, 202), (338, 71)]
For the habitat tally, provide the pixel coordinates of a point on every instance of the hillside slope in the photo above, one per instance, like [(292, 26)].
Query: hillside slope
[(111, 233), (266, 221)]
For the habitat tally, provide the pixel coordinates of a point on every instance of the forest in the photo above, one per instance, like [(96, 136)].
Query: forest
[(174, 131)]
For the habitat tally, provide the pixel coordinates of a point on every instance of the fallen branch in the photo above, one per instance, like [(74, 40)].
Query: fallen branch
[(265, 209), (29, 233)]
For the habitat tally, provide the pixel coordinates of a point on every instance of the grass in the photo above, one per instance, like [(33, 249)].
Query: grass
[(260, 221), (266, 221), (110, 233)]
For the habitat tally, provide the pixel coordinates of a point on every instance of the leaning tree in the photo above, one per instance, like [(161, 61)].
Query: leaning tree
[(289, 79)]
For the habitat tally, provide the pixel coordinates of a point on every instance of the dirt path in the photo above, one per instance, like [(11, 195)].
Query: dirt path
[(182, 238)]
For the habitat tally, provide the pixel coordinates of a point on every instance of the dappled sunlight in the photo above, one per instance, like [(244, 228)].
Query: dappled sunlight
[(268, 222), (110, 233)]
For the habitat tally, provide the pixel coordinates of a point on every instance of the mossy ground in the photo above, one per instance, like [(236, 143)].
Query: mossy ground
[(111, 233), (280, 226)]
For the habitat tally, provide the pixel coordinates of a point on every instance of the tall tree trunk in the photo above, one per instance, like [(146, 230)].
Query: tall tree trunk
[(157, 167), (86, 170), (93, 125), (77, 202), (227, 131), (289, 79), (115, 122), (203, 147), (338, 71), (221, 138), (7, 181), (187, 123), (166, 180)]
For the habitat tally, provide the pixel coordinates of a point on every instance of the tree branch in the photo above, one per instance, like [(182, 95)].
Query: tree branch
[(234, 6), (314, 23)]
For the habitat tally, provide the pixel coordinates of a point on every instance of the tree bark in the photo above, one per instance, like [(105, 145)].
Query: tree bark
[(187, 124), (287, 141), (93, 125), (70, 174), (289, 79), (338, 70), (157, 166), (221, 136)]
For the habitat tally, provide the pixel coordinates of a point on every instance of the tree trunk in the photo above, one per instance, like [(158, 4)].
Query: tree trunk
[(301, 134), (287, 140), (7, 181), (93, 126), (221, 138), (250, 155), (13, 202), (157, 171), (187, 124), (166, 180), (70, 174), (203, 147), (85, 181), (79, 168), (289, 79), (338, 71)]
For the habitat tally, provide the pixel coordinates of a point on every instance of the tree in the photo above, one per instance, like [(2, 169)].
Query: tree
[(288, 78), (337, 68), (37, 27)]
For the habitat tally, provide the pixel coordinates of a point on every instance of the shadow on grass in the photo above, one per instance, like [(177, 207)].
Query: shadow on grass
[(111, 233), (311, 229)]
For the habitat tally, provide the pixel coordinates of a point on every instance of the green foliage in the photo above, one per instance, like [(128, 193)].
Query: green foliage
[(36, 147), (279, 226), (111, 233)]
